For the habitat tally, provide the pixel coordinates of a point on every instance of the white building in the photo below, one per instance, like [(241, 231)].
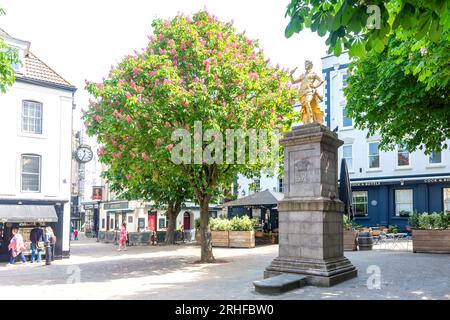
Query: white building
[(385, 185), (35, 162)]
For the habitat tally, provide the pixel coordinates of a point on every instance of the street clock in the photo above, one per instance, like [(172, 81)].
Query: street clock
[(84, 154)]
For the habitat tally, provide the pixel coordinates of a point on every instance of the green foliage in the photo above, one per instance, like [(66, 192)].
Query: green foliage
[(404, 213), (8, 57), (236, 224), (414, 220), (243, 223), (363, 26), (386, 97), (197, 224), (217, 224), (393, 229), (434, 221), (350, 225)]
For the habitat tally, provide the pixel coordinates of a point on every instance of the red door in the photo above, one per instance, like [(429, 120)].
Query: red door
[(187, 221), (152, 221)]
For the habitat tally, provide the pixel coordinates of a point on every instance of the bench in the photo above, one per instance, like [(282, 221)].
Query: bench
[(279, 284)]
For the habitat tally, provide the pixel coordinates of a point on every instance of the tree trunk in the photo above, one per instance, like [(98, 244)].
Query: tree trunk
[(205, 232), (172, 213)]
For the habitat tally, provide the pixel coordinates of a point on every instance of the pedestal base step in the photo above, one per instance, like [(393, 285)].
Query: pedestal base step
[(279, 284)]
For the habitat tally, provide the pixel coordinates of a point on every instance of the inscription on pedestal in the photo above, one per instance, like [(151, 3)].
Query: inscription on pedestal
[(301, 174)]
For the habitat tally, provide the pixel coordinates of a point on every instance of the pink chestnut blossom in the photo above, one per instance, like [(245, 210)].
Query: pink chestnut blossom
[(183, 46), (153, 72), (136, 71), (128, 177), (129, 120), (128, 95), (166, 24), (167, 124), (144, 156), (158, 141), (169, 147), (151, 38), (160, 37)]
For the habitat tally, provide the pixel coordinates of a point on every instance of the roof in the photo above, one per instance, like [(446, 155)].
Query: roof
[(265, 197), (37, 72), (27, 213), (36, 69)]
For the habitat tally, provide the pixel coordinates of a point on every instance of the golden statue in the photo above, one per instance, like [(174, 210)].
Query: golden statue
[(309, 97)]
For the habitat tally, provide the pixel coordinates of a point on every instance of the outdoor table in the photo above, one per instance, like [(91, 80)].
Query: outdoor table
[(395, 237)]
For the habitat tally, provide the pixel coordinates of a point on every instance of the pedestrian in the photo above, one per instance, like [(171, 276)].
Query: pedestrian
[(37, 243), (50, 238), (75, 233), (16, 247), (123, 237), (72, 229)]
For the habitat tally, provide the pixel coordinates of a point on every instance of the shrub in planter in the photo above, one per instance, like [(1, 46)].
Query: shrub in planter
[(243, 224), (432, 234), (413, 220), (404, 214)]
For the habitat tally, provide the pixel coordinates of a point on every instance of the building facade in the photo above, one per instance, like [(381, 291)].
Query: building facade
[(36, 139)]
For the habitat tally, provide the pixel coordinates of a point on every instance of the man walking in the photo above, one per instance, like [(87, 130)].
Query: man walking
[(37, 243)]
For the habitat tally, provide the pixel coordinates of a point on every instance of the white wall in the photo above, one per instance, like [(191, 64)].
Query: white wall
[(53, 145)]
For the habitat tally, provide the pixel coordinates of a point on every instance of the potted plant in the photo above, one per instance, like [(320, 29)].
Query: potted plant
[(242, 234), (430, 232), (220, 232), (350, 235), (404, 214)]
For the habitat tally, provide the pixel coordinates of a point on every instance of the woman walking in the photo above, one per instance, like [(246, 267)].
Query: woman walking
[(16, 247), (50, 239), (123, 237)]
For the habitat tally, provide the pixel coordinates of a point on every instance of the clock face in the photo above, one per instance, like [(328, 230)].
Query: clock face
[(84, 154)]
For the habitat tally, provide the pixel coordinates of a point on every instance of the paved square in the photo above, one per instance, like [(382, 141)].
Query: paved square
[(99, 271)]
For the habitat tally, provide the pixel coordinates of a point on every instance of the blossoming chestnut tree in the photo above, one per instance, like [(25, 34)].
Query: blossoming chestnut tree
[(194, 70)]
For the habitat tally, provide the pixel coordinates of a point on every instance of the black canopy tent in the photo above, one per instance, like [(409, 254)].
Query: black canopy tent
[(345, 190)]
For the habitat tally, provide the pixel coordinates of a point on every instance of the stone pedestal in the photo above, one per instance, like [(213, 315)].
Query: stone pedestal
[(311, 241)]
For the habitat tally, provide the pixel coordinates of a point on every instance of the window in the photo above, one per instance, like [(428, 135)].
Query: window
[(31, 173), (403, 201), (161, 223), (280, 185), (16, 65), (130, 219), (346, 122), (347, 154), (257, 185), (447, 200), (344, 80), (360, 203), (435, 157), (374, 155), (402, 157), (103, 223), (32, 117)]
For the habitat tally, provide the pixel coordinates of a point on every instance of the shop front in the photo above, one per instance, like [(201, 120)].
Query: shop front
[(386, 202), (90, 225), (27, 215)]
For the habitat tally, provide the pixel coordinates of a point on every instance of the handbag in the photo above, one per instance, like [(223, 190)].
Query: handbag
[(40, 245)]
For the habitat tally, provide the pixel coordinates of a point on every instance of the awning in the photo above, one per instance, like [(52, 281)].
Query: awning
[(27, 213), (262, 198)]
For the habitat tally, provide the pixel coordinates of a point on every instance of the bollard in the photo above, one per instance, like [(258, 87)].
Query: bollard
[(47, 254)]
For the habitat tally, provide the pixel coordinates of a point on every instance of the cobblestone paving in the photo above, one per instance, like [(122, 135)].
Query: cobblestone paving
[(99, 271)]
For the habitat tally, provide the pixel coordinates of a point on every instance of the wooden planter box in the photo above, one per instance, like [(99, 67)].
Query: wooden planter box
[(242, 239), (350, 240), (220, 238), (431, 241)]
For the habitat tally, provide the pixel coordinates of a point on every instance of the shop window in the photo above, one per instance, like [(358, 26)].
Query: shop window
[(103, 223), (360, 201), (374, 155), (347, 154), (403, 201), (446, 200), (280, 185), (161, 223)]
